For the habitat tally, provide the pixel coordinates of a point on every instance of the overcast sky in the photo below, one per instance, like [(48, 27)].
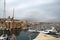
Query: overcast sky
[(33, 10)]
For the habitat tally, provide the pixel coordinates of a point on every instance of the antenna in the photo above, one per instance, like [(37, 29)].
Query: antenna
[(4, 14)]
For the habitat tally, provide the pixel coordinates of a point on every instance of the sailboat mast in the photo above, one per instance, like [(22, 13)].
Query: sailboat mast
[(13, 18), (4, 14), (13, 13)]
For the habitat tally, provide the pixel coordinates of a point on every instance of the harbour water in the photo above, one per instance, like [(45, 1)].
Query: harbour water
[(21, 35)]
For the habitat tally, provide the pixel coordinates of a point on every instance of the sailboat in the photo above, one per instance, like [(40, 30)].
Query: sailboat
[(3, 36)]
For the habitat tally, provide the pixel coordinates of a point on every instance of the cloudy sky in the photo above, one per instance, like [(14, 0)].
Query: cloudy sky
[(32, 10)]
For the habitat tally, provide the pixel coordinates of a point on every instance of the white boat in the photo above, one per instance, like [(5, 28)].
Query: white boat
[(31, 30), (38, 31), (53, 30), (2, 37), (44, 31)]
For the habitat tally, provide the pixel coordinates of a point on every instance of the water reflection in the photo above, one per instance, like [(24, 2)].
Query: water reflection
[(20, 34), (9, 32)]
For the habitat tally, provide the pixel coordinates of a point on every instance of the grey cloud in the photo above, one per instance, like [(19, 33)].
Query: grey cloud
[(42, 11), (46, 12)]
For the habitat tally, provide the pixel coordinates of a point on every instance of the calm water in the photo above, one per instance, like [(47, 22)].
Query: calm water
[(21, 35), (25, 35)]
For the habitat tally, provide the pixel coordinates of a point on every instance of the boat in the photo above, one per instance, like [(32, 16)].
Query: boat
[(2, 37), (52, 30), (32, 30)]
